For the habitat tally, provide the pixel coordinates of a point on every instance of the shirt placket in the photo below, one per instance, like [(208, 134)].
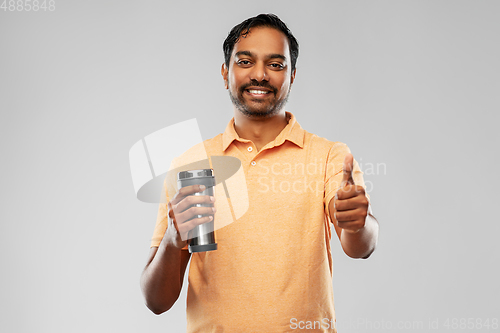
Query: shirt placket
[(250, 152)]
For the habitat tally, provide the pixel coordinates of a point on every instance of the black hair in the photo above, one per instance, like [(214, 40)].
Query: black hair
[(262, 20)]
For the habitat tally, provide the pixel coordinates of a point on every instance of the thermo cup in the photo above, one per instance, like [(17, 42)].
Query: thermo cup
[(202, 237)]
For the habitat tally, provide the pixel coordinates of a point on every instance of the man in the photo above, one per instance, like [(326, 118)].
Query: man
[(272, 271)]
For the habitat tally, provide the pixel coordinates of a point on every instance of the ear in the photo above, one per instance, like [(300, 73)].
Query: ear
[(224, 72), (293, 76)]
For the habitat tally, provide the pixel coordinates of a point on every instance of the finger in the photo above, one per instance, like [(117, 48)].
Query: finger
[(351, 226), (350, 191), (345, 204), (347, 170), (193, 200), (358, 214), (185, 191), (185, 228), (348, 215), (194, 212), (193, 223)]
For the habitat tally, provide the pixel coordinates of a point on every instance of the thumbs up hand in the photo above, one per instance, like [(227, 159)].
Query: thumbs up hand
[(350, 202)]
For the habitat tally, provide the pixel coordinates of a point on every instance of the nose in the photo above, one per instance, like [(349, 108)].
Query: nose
[(259, 72)]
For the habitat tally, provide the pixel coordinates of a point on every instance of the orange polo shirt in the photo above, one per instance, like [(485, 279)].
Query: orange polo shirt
[(272, 271)]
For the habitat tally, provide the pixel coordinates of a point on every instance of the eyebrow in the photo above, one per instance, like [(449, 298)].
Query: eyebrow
[(269, 56)]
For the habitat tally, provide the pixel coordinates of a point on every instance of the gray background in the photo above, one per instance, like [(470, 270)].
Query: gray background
[(412, 86)]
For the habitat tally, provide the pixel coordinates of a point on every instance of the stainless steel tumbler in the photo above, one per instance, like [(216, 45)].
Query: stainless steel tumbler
[(202, 237)]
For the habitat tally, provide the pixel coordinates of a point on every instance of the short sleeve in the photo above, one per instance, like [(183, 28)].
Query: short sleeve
[(162, 217), (333, 177)]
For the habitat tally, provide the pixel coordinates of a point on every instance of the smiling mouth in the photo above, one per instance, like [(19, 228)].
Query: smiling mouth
[(258, 93)]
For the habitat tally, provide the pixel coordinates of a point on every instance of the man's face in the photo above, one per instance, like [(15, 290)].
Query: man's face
[(259, 77)]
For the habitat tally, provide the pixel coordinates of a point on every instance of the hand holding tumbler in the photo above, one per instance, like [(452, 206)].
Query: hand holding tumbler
[(202, 237)]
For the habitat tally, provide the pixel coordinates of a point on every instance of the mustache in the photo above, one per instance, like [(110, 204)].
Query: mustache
[(255, 83)]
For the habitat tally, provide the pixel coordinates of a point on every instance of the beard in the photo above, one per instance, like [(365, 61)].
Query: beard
[(265, 109)]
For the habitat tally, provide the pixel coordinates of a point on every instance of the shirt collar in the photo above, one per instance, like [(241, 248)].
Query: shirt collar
[(292, 132)]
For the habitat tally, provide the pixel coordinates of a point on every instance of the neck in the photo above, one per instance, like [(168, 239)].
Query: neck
[(259, 131)]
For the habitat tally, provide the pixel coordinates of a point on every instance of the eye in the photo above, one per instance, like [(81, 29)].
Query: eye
[(244, 62), (277, 66)]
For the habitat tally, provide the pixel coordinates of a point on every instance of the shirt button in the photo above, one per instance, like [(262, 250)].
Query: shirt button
[(249, 148), (253, 163)]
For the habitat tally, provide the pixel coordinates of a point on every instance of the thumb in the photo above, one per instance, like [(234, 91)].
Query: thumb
[(347, 171)]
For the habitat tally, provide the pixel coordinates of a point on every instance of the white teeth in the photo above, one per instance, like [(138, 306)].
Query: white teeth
[(258, 92)]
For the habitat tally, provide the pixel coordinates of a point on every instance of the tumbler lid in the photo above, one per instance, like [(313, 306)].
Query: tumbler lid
[(195, 174)]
